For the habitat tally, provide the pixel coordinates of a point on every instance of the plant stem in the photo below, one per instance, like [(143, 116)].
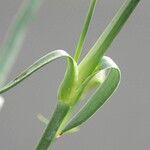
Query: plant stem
[(50, 133), (91, 60)]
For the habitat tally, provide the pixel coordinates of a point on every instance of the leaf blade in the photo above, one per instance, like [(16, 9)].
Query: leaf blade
[(14, 40), (85, 29), (100, 97), (70, 76), (91, 60)]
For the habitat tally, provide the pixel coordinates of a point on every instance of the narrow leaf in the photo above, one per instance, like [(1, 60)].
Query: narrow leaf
[(70, 77), (85, 30), (91, 60), (102, 94), (16, 36)]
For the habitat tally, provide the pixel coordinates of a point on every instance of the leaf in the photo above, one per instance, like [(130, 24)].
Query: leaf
[(91, 60), (16, 36), (102, 94), (70, 77), (73, 130), (85, 30)]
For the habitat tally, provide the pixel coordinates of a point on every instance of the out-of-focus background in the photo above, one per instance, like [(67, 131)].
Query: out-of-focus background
[(123, 123)]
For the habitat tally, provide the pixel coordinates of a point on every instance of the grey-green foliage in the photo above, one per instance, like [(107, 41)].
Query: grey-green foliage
[(95, 71)]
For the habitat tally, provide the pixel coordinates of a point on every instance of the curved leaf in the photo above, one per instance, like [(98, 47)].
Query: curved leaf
[(106, 89), (70, 77)]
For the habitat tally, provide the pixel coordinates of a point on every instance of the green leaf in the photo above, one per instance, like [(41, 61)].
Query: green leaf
[(67, 84), (16, 36), (73, 130), (105, 90), (91, 60), (85, 30)]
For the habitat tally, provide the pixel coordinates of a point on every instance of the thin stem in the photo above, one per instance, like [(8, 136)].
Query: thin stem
[(85, 30), (50, 133)]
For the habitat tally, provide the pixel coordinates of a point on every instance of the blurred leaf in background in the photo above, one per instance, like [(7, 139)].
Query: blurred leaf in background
[(15, 36)]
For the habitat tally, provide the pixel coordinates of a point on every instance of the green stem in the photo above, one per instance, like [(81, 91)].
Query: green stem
[(50, 133), (91, 60)]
